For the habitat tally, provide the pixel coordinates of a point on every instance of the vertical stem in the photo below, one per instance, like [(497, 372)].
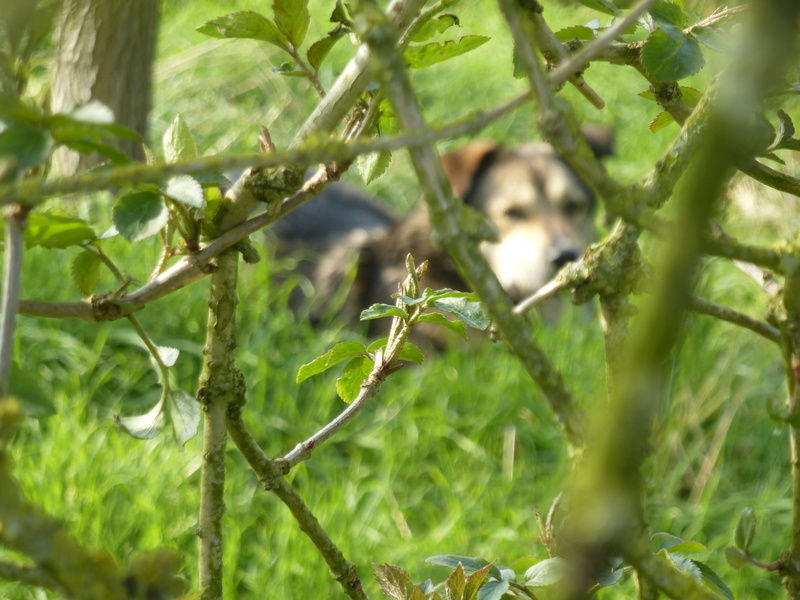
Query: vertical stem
[(220, 383), (15, 217)]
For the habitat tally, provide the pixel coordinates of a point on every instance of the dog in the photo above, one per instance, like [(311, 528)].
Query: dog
[(542, 212)]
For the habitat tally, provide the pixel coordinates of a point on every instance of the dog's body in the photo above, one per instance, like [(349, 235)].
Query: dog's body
[(540, 208)]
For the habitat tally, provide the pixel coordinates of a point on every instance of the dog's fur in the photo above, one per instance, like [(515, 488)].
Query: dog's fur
[(541, 209)]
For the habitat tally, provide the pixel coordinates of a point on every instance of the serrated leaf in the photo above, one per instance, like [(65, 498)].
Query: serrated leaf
[(396, 583), (292, 19), (454, 585), (438, 24), (412, 353), (146, 426), (647, 95), (186, 190), (691, 96), (425, 55), (138, 215), (470, 563), (469, 311), (546, 572), (319, 50), (86, 272), (603, 6), (668, 13), (474, 581), (341, 351), (493, 590), (710, 575), (168, 355), (150, 157), (24, 386), (736, 558), (56, 231), (662, 120), (378, 311), (178, 142), (711, 38), (440, 319), (669, 54), (576, 32), (686, 565), (185, 414), (373, 165), (745, 529), (348, 386), (245, 24), (667, 541), (23, 147), (289, 69)]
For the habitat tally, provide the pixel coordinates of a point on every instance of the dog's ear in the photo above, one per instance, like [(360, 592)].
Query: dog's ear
[(600, 139), (463, 165)]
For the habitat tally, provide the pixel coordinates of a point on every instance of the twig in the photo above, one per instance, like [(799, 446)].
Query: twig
[(269, 473), (597, 46), (763, 278), (15, 218), (725, 313), (549, 289), (417, 24)]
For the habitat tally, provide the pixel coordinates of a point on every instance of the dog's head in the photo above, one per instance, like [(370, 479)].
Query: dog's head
[(541, 209)]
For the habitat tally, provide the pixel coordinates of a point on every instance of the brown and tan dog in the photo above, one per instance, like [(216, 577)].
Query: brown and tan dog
[(542, 211)]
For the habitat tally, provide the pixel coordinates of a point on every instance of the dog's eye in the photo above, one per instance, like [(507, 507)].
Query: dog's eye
[(572, 208), (515, 213)]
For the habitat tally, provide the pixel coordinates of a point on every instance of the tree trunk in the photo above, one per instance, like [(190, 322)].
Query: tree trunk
[(105, 51)]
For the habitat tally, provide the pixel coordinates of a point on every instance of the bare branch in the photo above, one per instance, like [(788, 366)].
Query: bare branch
[(725, 313), (15, 218)]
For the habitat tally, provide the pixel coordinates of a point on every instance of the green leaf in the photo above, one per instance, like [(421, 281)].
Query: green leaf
[(24, 386), (245, 25), (710, 575), (292, 19), (686, 565), (440, 319), (439, 24), (139, 215), (603, 6), (425, 55), (745, 529), (408, 352), (289, 69), (546, 572), (667, 541), (786, 130), (373, 165), (56, 231), (86, 272), (22, 147), (178, 142), (348, 386), (340, 352), (396, 583), (577, 32), (662, 120), (146, 426), (736, 558), (454, 586), (378, 311), (493, 590), (469, 311), (186, 190), (470, 563), (711, 38), (669, 54), (319, 50), (609, 576), (474, 581), (668, 13), (185, 414)]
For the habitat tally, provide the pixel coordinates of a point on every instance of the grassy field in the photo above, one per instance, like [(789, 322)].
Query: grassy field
[(422, 472)]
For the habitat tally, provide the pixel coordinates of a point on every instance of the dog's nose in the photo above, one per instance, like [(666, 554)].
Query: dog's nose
[(563, 257)]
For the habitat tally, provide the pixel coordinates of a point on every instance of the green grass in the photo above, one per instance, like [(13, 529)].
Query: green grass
[(421, 471)]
